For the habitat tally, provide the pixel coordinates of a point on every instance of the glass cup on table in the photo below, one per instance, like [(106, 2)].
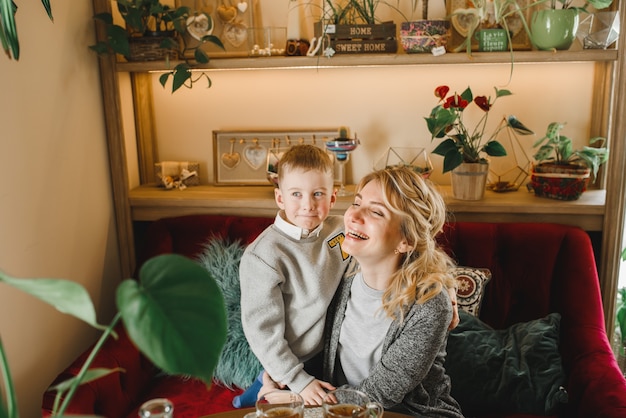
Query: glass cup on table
[(280, 404), (350, 403)]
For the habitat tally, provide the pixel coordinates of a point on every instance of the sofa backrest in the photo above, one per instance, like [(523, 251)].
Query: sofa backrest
[(536, 268)]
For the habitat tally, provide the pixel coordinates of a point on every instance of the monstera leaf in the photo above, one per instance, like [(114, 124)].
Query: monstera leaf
[(175, 315)]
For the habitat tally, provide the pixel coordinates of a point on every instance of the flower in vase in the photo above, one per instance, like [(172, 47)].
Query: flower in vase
[(462, 144)]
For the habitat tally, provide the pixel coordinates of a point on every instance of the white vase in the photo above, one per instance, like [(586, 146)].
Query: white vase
[(469, 181)]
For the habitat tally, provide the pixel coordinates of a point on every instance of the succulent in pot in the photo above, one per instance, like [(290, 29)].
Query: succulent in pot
[(560, 171), (462, 144)]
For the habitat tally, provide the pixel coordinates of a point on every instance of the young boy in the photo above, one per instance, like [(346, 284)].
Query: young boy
[(289, 275)]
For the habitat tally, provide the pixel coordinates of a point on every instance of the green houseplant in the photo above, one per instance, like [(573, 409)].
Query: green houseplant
[(560, 171), (179, 330), (489, 15), (8, 29), (555, 27), (460, 143), (463, 148), (158, 32)]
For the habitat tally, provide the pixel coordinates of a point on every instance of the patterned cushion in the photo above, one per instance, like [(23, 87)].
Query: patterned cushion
[(471, 286)]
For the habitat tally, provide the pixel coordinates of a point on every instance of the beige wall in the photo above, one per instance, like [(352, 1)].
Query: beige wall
[(56, 208), (55, 200)]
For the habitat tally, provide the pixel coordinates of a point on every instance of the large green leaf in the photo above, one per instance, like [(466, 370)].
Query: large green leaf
[(66, 296), (175, 315)]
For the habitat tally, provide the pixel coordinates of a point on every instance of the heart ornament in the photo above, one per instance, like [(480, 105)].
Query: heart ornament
[(255, 155), (464, 19), (242, 6), (231, 160), (227, 13), (199, 26), (235, 33)]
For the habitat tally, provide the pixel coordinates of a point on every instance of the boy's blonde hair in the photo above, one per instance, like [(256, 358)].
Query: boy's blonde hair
[(424, 270), (306, 157)]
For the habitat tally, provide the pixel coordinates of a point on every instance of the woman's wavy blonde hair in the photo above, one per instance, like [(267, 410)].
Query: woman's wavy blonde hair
[(425, 269)]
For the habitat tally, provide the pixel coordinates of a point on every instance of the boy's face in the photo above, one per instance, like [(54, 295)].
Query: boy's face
[(305, 196)]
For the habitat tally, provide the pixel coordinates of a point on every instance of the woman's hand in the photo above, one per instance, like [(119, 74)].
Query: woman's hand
[(314, 392), (455, 310)]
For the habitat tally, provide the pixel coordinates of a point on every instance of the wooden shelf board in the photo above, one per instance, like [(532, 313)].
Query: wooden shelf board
[(149, 203), (382, 60)]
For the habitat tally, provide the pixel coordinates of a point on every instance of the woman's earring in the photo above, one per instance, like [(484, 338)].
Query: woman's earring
[(396, 251)]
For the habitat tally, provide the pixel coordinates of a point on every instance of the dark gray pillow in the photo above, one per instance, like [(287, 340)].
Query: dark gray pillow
[(516, 370)]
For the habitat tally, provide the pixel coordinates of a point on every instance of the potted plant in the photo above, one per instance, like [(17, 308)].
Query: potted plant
[(464, 149), (491, 22), (555, 27), (560, 172), (181, 332), (8, 29), (155, 31)]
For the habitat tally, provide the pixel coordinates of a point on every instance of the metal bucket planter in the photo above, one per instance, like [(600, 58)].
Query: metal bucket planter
[(469, 181), (559, 182)]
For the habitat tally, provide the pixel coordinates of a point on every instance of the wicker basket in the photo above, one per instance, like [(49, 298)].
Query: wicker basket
[(559, 182), (148, 48)]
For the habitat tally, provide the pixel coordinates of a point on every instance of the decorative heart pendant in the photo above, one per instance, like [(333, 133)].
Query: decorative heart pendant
[(231, 160), (236, 33), (199, 26), (255, 155), (227, 13), (242, 6)]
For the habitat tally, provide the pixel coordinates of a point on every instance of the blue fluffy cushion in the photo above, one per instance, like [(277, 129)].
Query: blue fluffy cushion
[(514, 370), (237, 365)]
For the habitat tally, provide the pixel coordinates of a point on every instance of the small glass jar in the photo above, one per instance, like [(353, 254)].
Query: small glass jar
[(157, 408)]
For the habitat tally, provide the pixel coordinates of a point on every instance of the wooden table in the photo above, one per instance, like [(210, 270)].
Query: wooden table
[(239, 413)]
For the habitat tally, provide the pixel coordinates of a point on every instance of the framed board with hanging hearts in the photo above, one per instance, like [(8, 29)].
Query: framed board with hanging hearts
[(229, 20), (248, 158)]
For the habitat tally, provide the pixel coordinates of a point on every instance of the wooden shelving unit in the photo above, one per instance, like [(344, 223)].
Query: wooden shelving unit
[(598, 210)]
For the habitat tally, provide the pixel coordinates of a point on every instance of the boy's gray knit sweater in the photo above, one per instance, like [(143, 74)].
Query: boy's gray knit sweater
[(286, 287), (410, 376)]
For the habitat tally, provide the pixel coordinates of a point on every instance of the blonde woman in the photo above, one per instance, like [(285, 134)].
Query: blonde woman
[(388, 324)]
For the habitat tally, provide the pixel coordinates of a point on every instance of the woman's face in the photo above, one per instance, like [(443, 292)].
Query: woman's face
[(372, 230)]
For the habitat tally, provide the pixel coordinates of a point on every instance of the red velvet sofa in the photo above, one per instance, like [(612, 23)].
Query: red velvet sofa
[(536, 269)]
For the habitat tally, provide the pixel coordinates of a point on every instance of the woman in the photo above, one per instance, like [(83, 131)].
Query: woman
[(388, 324)]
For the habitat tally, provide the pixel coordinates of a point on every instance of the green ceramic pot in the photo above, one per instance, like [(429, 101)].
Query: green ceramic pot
[(554, 29)]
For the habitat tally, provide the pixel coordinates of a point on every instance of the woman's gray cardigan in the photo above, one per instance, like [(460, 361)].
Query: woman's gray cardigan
[(410, 376)]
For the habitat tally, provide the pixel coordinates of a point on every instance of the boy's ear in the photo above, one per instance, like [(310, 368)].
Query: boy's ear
[(333, 197), (278, 197)]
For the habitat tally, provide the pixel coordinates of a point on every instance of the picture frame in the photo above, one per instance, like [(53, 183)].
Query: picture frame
[(247, 158), (520, 40), (232, 22)]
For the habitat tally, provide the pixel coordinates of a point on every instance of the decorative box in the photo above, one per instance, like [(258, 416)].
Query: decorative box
[(176, 173)]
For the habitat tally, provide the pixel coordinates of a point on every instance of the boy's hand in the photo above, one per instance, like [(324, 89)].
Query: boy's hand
[(314, 392), (269, 385)]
